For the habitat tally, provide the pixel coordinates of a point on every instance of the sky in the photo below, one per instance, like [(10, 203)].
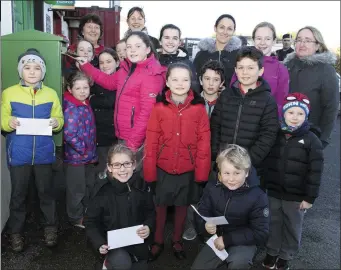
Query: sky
[(196, 18)]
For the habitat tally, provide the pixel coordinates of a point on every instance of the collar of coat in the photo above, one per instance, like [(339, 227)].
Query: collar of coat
[(209, 44), (317, 58), (69, 97), (151, 65), (192, 98)]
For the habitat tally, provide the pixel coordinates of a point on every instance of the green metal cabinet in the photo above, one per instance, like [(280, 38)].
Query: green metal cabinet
[(50, 46)]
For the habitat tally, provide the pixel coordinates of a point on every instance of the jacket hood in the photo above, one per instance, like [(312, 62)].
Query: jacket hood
[(263, 86), (317, 58), (197, 99), (181, 53), (70, 98), (208, 44)]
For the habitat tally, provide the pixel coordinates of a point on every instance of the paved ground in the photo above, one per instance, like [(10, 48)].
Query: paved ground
[(320, 243)]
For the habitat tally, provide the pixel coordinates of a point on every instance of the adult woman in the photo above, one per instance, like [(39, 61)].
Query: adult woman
[(138, 81), (223, 48), (275, 73), (170, 53), (102, 102), (136, 20), (311, 73)]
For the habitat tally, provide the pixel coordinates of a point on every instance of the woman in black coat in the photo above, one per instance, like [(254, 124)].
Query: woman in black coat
[(223, 48), (312, 73), (102, 102)]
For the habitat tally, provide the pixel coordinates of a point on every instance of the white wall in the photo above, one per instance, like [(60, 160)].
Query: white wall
[(48, 19), (6, 28)]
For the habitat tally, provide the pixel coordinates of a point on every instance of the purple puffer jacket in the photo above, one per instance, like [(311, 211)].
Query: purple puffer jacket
[(277, 76), (79, 132)]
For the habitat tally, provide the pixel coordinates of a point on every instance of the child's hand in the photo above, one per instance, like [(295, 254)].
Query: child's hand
[(13, 122), (305, 205), (82, 60), (103, 249), (143, 232), (210, 228), (54, 122), (219, 243)]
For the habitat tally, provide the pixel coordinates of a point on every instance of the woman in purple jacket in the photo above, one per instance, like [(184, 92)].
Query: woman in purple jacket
[(275, 73)]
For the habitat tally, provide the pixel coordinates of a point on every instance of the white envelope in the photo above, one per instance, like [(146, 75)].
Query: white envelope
[(33, 126), (221, 220), (222, 254), (124, 237)]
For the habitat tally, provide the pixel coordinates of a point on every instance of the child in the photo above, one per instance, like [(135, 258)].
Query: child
[(212, 79), (245, 207), (246, 113), (292, 177), (79, 146), (121, 49), (121, 200), (29, 154), (177, 153)]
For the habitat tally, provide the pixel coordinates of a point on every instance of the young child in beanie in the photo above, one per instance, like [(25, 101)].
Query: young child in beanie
[(27, 154), (292, 178)]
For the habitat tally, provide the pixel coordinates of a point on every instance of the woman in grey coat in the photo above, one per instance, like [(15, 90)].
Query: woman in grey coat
[(312, 73)]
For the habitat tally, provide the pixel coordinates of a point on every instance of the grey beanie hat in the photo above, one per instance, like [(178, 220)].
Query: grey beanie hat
[(31, 56)]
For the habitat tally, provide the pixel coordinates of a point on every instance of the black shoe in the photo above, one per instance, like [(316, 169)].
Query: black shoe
[(270, 262), (154, 255), (282, 264), (179, 253), (51, 236), (17, 242)]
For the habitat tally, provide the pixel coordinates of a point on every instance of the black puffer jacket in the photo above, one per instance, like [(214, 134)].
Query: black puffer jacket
[(117, 205), (250, 121), (246, 210), (227, 57), (102, 102), (315, 77), (293, 169), (181, 56)]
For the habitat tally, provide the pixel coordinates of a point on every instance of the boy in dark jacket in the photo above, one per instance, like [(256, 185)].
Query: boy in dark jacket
[(292, 177), (245, 207), (246, 114)]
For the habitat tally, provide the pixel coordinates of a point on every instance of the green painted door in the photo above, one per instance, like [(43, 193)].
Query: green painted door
[(23, 14)]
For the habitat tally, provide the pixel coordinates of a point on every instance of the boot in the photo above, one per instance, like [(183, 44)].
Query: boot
[(17, 242), (51, 236)]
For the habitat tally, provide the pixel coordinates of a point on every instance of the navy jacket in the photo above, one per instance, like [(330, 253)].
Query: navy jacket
[(246, 209)]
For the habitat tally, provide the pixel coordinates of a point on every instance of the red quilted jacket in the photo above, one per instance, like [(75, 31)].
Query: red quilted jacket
[(178, 138), (137, 86)]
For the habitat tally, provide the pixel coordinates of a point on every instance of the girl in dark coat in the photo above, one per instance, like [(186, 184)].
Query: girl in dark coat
[(102, 102), (120, 200), (223, 48)]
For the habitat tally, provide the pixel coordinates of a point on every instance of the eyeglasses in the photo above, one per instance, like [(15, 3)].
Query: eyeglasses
[(119, 165), (305, 41)]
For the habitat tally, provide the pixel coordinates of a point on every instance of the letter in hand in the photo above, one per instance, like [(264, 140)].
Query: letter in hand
[(219, 243), (143, 232), (82, 60), (103, 249), (211, 228), (13, 122)]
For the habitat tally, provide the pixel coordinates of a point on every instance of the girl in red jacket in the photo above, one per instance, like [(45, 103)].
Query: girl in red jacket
[(177, 153), (138, 81)]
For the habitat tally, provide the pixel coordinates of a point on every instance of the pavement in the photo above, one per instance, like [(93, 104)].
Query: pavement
[(320, 247)]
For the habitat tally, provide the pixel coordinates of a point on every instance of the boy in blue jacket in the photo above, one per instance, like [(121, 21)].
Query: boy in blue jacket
[(245, 207)]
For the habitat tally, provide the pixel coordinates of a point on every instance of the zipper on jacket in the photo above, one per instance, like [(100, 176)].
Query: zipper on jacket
[(190, 154), (221, 230), (132, 117), (238, 120), (34, 137), (219, 56), (284, 167), (158, 155), (227, 203)]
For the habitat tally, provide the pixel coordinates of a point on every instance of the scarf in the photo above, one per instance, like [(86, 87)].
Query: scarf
[(295, 131)]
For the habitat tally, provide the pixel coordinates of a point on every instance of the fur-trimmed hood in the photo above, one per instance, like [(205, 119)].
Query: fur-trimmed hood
[(197, 99), (209, 44), (317, 58)]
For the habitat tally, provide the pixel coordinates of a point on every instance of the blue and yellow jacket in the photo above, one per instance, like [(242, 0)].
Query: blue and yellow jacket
[(22, 101)]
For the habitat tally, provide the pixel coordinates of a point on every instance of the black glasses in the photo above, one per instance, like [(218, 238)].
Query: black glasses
[(126, 165), (305, 41)]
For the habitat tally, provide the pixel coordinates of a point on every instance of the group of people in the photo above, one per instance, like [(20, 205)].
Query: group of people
[(236, 133)]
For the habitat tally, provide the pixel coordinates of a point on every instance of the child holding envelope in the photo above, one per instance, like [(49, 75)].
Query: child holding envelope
[(245, 207), (28, 153), (120, 200)]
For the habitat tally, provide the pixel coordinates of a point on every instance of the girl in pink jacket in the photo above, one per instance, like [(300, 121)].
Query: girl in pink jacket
[(138, 81)]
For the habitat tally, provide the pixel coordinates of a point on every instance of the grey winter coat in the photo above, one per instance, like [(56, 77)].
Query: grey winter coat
[(315, 77)]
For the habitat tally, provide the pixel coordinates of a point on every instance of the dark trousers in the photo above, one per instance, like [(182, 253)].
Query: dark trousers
[(43, 179), (119, 259), (240, 257), (80, 181)]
